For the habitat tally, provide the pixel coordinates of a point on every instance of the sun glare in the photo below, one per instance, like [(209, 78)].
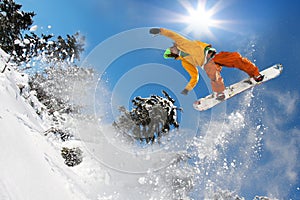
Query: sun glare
[(199, 19)]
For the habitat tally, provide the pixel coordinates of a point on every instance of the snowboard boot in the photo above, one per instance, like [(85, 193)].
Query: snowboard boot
[(259, 78), (220, 96), (184, 92)]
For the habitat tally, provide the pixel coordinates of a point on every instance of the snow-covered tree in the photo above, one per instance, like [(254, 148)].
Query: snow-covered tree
[(59, 87), (72, 156), (149, 119), (12, 22), (22, 44)]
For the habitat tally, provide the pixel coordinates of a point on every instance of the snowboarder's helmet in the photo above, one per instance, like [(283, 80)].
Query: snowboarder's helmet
[(208, 49), (167, 53)]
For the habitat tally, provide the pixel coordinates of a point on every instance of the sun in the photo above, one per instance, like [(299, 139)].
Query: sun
[(200, 19)]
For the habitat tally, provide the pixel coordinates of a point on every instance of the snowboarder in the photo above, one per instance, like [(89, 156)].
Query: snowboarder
[(196, 53)]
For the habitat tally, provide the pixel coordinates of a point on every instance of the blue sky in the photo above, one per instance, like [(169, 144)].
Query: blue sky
[(266, 32), (274, 27)]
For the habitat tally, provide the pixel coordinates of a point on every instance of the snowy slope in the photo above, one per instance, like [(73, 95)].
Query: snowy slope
[(26, 169), (31, 166)]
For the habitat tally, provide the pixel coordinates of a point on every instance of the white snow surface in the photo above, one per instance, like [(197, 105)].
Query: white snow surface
[(32, 168), (26, 171)]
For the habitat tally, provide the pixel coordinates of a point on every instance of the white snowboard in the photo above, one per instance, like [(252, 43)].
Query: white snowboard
[(234, 89)]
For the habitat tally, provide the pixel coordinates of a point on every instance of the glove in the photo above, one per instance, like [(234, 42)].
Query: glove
[(184, 92), (154, 31)]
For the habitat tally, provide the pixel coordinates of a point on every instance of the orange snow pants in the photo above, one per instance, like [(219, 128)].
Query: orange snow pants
[(193, 72), (228, 59)]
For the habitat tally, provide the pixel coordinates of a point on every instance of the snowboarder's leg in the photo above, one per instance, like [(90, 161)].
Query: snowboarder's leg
[(213, 71), (235, 60), (193, 72)]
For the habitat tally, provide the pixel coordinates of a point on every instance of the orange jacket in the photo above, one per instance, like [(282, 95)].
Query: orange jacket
[(194, 48), (196, 57)]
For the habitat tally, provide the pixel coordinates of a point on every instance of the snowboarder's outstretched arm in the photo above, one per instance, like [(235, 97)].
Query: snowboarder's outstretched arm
[(178, 39), (183, 44)]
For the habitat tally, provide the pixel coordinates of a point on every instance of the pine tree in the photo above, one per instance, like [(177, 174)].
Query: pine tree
[(12, 22), (55, 87), (72, 156), (149, 119), (23, 47)]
